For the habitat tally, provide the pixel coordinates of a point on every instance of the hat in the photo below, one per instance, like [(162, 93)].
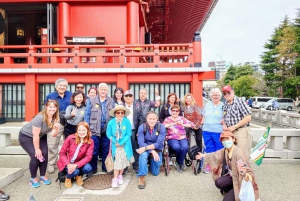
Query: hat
[(227, 88), (226, 134), (119, 107), (128, 92)]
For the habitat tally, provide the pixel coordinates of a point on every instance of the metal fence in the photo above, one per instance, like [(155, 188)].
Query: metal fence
[(13, 102)]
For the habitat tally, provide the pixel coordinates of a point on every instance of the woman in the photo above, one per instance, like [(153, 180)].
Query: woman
[(193, 112), (176, 135), (33, 139), (230, 166), (119, 133), (74, 113), (92, 92), (75, 155), (119, 96), (165, 111), (212, 127)]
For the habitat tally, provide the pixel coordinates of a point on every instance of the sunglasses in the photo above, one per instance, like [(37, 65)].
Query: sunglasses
[(226, 93), (175, 110), (129, 95), (120, 113), (79, 87), (51, 100)]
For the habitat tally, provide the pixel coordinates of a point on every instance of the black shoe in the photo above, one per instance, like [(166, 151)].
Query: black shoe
[(136, 170), (3, 196), (124, 171), (89, 175), (94, 171)]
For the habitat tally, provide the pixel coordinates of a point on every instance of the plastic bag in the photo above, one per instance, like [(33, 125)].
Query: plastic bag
[(247, 191)]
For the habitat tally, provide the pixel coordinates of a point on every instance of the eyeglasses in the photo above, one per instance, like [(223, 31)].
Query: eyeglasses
[(129, 95), (175, 110), (226, 93), (79, 87), (120, 113)]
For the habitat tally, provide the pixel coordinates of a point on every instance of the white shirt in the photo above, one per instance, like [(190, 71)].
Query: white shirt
[(130, 116)]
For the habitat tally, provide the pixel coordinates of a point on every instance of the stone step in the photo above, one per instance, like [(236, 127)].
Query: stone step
[(8, 175), (12, 150)]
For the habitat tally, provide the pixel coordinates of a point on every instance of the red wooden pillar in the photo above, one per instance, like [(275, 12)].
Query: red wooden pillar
[(196, 88), (31, 96), (197, 50), (122, 81), (133, 25), (64, 15), (142, 35)]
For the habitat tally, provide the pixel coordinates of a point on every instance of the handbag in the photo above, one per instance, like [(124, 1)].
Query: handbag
[(246, 191), (109, 163), (193, 151)]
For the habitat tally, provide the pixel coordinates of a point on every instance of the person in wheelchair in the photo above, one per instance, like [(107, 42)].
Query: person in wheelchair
[(151, 136), (176, 135)]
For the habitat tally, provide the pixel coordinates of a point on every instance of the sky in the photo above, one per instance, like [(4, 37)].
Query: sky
[(237, 30)]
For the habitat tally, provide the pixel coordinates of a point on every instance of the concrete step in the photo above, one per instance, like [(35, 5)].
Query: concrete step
[(12, 150), (8, 175)]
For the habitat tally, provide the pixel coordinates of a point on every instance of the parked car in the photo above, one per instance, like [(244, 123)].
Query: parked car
[(258, 101), (284, 104)]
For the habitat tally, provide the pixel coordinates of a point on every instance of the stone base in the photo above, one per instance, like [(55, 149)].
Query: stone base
[(8, 175)]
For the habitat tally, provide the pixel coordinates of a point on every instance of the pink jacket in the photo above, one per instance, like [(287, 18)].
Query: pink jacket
[(68, 150)]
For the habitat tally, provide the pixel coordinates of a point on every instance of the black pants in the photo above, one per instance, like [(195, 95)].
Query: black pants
[(134, 142), (225, 184), (26, 143), (69, 130), (198, 135)]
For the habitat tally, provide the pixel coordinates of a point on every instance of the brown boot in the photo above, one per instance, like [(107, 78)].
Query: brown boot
[(79, 181), (142, 182), (68, 183)]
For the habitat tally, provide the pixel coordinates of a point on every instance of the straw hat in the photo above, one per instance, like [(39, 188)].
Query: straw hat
[(119, 107)]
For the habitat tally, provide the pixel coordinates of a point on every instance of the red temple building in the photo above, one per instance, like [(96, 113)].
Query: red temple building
[(125, 43)]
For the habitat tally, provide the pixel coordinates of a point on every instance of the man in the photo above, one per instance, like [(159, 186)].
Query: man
[(80, 87), (236, 118), (151, 142), (63, 98), (97, 116), (3, 196), (128, 96)]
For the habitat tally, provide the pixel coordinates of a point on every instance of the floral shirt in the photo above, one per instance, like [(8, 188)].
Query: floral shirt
[(176, 132)]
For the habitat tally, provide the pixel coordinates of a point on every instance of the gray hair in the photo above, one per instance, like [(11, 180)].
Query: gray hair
[(102, 84), (215, 90), (141, 89), (151, 112), (59, 81)]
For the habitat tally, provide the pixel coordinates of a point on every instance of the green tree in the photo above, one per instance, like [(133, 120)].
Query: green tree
[(296, 80), (243, 86), (243, 70), (230, 74)]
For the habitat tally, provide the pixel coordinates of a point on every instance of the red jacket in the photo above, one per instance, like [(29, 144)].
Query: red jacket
[(68, 150)]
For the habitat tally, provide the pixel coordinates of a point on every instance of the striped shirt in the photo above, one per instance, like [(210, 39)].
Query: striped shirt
[(235, 112)]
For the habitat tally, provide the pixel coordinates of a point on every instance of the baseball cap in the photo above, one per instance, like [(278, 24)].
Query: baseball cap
[(226, 134), (128, 92), (227, 88)]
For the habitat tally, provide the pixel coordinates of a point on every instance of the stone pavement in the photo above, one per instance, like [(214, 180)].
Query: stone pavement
[(278, 180)]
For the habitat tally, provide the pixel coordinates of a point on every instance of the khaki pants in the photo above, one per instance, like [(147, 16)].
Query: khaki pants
[(53, 143), (243, 139)]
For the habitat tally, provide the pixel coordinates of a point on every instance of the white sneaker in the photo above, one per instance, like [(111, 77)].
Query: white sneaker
[(114, 183), (170, 162)]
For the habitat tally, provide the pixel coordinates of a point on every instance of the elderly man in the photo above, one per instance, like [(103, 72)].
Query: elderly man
[(63, 98), (97, 116), (151, 136), (133, 117), (236, 118)]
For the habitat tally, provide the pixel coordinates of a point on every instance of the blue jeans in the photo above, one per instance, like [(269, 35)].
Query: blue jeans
[(211, 141), (104, 141), (154, 165), (94, 160), (180, 147), (87, 168)]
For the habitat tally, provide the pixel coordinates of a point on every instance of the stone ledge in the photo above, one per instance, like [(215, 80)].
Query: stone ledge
[(12, 150), (8, 175)]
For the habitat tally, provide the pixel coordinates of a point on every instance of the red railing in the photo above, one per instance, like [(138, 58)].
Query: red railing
[(99, 56)]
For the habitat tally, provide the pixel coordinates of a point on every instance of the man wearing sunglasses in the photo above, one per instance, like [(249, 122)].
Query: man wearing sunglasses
[(80, 87), (236, 118), (63, 98)]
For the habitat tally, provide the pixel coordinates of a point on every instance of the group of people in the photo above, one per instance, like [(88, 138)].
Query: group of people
[(97, 124)]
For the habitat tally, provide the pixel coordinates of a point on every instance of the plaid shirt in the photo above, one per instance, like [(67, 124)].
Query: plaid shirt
[(235, 112)]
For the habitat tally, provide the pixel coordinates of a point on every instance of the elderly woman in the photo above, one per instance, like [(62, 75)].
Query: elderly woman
[(119, 133), (75, 155), (193, 112), (229, 167), (176, 135), (74, 113), (33, 139), (212, 127)]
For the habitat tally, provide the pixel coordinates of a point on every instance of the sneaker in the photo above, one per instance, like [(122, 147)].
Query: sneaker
[(170, 161), (94, 171), (136, 170), (50, 169), (45, 180), (183, 166), (34, 183), (3, 196), (120, 179), (114, 183), (179, 169), (124, 171), (207, 169)]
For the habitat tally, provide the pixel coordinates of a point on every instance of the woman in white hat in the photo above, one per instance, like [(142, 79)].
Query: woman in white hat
[(119, 132)]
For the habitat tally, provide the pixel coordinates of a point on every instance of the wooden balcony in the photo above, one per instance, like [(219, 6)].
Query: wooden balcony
[(100, 56)]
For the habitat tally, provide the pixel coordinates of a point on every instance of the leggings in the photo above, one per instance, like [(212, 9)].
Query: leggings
[(26, 143), (225, 184)]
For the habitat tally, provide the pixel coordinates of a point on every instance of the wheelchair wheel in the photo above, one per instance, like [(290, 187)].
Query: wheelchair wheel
[(166, 171)]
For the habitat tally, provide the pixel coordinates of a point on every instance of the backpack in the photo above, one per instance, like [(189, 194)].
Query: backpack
[(61, 177), (146, 126)]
